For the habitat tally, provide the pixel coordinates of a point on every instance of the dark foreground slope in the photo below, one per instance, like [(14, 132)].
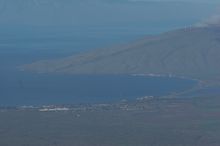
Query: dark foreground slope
[(193, 122), (189, 52)]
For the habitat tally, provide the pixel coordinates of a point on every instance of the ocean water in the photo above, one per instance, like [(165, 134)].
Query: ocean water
[(23, 88), (40, 89)]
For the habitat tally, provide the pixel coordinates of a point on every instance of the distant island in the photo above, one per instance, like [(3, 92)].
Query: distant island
[(192, 52)]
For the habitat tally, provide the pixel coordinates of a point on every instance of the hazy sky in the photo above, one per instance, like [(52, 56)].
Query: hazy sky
[(104, 12), (198, 1)]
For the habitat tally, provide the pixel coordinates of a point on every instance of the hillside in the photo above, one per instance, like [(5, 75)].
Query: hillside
[(190, 52)]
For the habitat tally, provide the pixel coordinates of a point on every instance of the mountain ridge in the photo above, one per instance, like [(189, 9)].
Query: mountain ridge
[(192, 52)]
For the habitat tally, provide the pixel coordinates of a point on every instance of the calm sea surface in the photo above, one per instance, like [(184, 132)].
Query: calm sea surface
[(32, 89)]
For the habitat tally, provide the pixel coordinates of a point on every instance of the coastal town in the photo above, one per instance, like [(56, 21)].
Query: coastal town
[(146, 103)]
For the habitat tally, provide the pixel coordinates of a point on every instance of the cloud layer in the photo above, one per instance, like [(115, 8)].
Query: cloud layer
[(213, 20)]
